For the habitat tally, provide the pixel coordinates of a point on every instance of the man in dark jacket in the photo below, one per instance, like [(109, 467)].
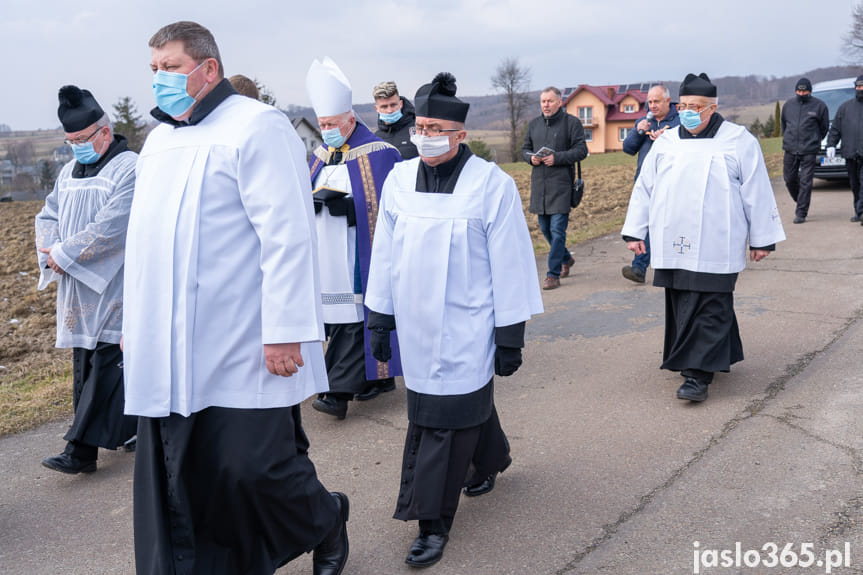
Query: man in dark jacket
[(395, 118), (847, 126), (553, 144), (662, 115), (805, 121)]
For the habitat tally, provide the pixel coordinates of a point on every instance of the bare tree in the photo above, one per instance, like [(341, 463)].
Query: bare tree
[(853, 39), (20, 153), (513, 81)]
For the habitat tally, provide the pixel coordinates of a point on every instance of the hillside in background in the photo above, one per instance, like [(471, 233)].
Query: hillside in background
[(490, 112)]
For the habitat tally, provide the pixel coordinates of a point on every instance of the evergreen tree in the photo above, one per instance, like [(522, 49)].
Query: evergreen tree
[(769, 126), (481, 149), (128, 123), (757, 128), (777, 121), (265, 95), (47, 175)]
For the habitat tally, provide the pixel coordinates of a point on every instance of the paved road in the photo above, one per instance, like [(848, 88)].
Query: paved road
[(611, 474)]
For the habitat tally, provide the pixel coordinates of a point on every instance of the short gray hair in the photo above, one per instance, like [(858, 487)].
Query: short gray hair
[(103, 122), (551, 89), (198, 42), (385, 90), (665, 93)]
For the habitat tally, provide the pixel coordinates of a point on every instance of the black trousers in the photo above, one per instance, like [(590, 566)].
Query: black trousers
[(854, 166), (345, 359), (226, 491), (98, 399), (798, 169)]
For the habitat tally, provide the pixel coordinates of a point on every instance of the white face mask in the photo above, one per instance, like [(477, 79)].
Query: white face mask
[(431, 147)]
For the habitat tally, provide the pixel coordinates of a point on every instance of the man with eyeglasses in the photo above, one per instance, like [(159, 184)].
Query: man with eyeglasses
[(347, 171), (805, 121), (703, 191), (453, 267), (553, 144), (225, 339), (80, 241), (847, 129)]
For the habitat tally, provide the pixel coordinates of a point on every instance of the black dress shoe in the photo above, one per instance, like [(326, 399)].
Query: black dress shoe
[(427, 549), (800, 220), (331, 554), (331, 406), (65, 463), (474, 489), (855, 218), (379, 387), (693, 390)]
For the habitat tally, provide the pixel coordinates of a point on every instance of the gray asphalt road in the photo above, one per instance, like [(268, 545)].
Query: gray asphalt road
[(611, 474)]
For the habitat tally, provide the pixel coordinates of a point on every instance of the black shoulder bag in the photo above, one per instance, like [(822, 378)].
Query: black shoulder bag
[(577, 183)]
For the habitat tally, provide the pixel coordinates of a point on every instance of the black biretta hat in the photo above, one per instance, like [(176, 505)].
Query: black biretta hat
[(78, 109), (437, 100), (699, 85)]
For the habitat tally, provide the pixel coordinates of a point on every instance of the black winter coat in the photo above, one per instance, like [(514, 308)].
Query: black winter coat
[(804, 125), (397, 134), (847, 127), (551, 186)]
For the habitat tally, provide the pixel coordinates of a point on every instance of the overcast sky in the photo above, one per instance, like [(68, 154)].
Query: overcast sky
[(102, 45)]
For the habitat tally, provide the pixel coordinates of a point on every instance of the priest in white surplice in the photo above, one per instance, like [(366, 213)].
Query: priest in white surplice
[(704, 195), (453, 267), (223, 338), (348, 171), (80, 238)]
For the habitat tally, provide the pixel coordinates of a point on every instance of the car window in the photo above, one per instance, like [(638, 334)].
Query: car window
[(834, 98)]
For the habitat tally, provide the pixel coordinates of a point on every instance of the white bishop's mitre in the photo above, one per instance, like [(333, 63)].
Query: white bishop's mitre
[(328, 88)]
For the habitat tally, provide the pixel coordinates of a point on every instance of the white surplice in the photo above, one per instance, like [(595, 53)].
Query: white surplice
[(337, 253), (452, 267), (84, 224), (702, 199), (220, 260)]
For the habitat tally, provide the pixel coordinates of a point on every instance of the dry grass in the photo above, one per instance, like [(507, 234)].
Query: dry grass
[(35, 378)]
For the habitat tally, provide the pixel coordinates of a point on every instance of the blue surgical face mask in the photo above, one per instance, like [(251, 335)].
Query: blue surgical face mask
[(391, 118), (85, 153), (689, 119), (333, 137), (170, 91)]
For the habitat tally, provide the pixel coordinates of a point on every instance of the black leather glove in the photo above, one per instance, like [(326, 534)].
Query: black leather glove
[(507, 360), (379, 341), (343, 207), (380, 325)]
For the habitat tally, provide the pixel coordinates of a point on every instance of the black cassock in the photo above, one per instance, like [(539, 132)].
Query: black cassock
[(97, 398), (447, 435), (701, 330), (226, 491)]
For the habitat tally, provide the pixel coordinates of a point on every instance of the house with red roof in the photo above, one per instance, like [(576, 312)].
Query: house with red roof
[(608, 113)]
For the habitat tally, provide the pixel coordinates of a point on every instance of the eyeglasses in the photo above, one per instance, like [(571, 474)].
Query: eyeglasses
[(693, 107), (79, 141), (433, 132)]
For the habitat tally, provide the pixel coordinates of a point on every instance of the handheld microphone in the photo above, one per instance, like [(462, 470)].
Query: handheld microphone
[(649, 117)]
